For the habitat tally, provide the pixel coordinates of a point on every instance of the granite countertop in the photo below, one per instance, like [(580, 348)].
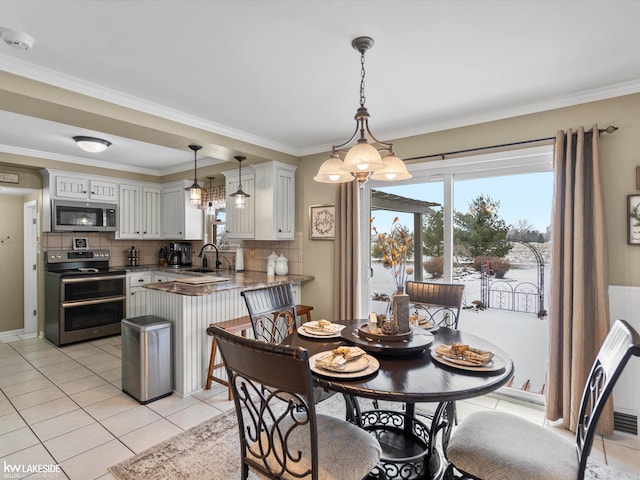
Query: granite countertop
[(237, 280)]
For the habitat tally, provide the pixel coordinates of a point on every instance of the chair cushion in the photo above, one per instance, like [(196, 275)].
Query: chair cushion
[(345, 452), (499, 446)]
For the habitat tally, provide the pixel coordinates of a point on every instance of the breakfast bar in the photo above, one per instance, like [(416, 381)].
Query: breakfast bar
[(192, 307)]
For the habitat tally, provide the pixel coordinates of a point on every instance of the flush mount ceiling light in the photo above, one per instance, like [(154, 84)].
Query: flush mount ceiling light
[(92, 144), (363, 160), (17, 39), (239, 195), (195, 190)]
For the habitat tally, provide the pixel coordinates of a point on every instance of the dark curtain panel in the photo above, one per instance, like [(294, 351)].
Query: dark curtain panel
[(579, 309)]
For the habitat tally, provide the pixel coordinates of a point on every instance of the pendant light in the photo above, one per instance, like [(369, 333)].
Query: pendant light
[(211, 210), (195, 190), (239, 195), (363, 160)]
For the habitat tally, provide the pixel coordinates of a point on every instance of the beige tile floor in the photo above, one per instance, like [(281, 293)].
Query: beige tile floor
[(64, 406)]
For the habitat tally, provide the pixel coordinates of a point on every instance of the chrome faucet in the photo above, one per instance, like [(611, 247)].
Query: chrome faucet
[(204, 261)]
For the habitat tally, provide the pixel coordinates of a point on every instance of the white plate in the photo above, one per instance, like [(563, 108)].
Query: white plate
[(497, 363), (318, 334), (372, 366)]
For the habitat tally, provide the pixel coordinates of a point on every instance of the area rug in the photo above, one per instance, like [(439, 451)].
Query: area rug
[(210, 451)]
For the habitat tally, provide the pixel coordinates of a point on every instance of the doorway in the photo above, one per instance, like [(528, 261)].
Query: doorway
[(31, 250)]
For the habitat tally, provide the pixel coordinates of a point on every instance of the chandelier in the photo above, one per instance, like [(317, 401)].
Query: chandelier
[(364, 160)]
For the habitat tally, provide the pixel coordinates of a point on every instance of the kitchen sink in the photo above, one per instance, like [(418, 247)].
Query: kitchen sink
[(200, 270)]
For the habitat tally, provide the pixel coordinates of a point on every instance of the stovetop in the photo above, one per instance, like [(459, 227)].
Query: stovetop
[(80, 262)]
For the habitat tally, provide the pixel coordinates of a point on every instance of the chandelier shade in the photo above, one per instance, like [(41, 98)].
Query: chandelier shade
[(364, 159)]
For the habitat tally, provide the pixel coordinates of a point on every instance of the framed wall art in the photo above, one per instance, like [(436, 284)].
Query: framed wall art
[(633, 219), (322, 222)]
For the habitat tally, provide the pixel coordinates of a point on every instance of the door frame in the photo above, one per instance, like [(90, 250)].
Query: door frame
[(31, 250)]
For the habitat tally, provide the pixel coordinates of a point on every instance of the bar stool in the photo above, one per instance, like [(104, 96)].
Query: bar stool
[(240, 326)]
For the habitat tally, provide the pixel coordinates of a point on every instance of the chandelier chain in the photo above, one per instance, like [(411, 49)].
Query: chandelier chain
[(362, 74)]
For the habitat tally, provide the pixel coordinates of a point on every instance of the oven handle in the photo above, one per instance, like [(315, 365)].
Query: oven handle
[(93, 302), (93, 279)]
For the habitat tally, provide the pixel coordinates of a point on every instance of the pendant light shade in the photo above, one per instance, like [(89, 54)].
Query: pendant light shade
[(240, 196), (195, 190), (363, 160)]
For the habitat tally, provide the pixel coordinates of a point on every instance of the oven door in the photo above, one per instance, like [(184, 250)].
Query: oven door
[(79, 288), (89, 319)]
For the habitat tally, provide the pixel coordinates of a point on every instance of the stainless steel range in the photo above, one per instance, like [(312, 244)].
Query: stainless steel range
[(84, 297)]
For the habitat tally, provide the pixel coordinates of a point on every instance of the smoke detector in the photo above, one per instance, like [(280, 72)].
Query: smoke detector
[(17, 39)]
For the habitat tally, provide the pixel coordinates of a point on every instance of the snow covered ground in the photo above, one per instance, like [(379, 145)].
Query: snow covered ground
[(523, 336)]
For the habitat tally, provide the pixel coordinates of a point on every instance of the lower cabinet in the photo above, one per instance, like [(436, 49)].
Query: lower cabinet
[(137, 295)]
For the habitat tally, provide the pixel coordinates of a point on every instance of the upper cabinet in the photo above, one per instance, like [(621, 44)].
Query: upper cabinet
[(139, 212), (240, 221), (80, 188), (275, 191), (269, 213), (181, 220)]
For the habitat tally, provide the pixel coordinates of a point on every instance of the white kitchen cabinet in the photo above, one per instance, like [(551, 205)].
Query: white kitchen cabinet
[(137, 295), (240, 222), (181, 219), (80, 188), (275, 191), (139, 212)]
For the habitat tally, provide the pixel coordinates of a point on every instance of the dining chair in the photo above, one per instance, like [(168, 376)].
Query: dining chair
[(272, 311), (281, 435), (440, 302), (495, 445)]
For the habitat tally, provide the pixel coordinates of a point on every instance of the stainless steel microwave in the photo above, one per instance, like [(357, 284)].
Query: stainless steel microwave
[(79, 216)]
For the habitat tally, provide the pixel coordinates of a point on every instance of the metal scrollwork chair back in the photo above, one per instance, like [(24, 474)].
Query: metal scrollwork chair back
[(281, 434), (439, 302), (272, 311), (494, 445)]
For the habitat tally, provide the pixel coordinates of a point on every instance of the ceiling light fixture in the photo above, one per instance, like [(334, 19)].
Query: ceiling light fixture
[(17, 39), (363, 160), (239, 195), (195, 190), (211, 209), (92, 144)]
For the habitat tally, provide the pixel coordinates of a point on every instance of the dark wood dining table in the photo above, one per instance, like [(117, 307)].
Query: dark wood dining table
[(409, 442)]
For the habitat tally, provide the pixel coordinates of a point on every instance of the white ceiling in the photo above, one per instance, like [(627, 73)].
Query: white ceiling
[(282, 73)]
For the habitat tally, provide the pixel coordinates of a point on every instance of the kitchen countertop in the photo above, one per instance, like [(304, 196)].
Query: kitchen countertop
[(237, 280)]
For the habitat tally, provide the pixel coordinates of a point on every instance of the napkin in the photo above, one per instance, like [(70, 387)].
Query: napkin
[(456, 351), (320, 327), (338, 358)]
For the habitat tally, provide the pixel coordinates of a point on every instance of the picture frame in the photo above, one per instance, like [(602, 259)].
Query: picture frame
[(322, 222), (633, 219), (80, 243)]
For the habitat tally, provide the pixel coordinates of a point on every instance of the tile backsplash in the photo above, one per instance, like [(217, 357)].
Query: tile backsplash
[(255, 251)]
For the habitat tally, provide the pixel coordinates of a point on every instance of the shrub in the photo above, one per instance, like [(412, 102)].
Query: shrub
[(498, 266), (434, 266)]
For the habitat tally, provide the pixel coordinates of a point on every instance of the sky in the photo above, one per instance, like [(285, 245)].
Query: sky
[(522, 197)]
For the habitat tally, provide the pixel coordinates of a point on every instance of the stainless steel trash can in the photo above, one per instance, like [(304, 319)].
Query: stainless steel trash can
[(146, 358)]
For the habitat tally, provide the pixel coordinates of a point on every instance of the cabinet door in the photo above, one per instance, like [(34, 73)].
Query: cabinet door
[(151, 217), (129, 212), (284, 204), (103, 191), (137, 304), (72, 187), (240, 221), (173, 213)]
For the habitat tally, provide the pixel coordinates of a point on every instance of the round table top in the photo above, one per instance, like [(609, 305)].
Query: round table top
[(414, 378)]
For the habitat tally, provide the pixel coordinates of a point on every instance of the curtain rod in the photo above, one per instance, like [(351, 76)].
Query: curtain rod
[(609, 129)]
